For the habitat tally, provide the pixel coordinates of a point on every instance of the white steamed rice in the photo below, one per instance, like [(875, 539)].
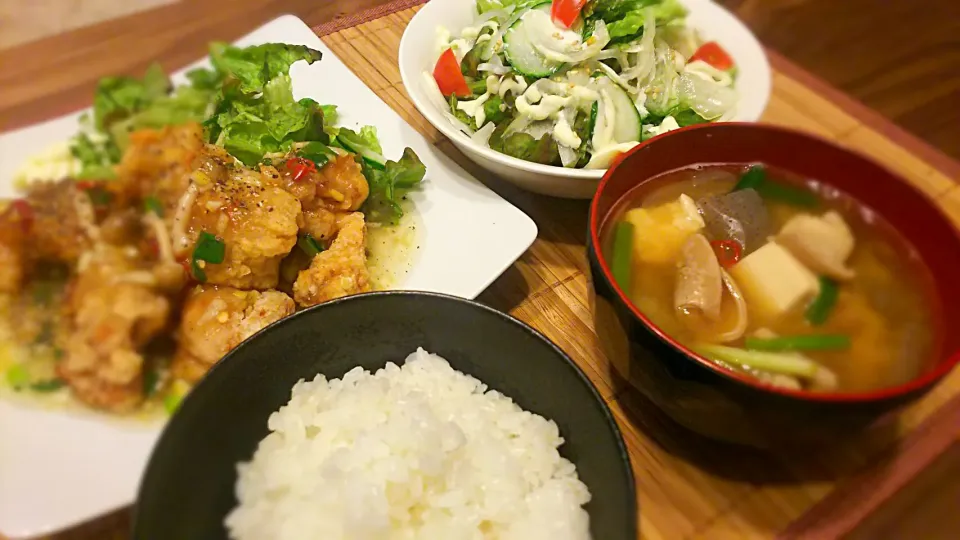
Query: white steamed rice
[(415, 452)]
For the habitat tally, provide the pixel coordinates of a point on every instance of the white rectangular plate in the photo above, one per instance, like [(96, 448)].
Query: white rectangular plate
[(59, 468)]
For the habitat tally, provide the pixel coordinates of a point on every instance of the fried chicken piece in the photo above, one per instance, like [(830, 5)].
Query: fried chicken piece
[(158, 163), (111, 312), (63, 223), (319, 223), (338, 187), (339, 271), (12, 251), (256, 221), (217, 319), (342, 186)]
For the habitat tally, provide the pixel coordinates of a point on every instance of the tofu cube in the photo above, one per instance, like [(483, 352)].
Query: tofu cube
[(773, 281)]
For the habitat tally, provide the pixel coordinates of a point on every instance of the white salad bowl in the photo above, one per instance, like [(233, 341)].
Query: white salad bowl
[(418, 55)]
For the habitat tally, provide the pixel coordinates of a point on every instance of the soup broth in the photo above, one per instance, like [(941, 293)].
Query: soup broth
[(786, 279)]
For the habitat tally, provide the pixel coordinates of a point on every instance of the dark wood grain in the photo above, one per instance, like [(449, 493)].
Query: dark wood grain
[(900, 58), (57, 75)]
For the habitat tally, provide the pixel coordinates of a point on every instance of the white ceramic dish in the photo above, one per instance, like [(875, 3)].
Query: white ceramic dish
[(417, 56), (59, 468)]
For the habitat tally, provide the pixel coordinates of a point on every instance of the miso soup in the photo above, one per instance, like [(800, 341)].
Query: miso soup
[(785, 279)]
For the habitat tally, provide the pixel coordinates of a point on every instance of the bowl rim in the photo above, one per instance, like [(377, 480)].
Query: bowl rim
[(412, 85), (922, 381), (149, 475)]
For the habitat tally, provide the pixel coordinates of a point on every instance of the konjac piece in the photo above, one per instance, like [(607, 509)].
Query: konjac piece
[(339, 271), (739, 216), (216, 319)]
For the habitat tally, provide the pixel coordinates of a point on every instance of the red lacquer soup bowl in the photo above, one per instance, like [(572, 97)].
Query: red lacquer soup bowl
[(725, 405)]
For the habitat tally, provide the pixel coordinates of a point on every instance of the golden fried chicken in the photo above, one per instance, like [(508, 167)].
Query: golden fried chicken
[(338, 186), (339, 271), (256, 223), (63, 223), (111, 312), (157, 163), (13, 227), (217, 319)]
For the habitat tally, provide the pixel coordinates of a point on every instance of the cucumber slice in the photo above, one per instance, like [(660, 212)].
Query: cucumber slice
[(628, 124), (357, 146), (520, 52)]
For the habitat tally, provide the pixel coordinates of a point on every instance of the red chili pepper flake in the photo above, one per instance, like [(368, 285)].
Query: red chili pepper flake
[(300, 167), (188, 272), (728, 252), (84, 185)]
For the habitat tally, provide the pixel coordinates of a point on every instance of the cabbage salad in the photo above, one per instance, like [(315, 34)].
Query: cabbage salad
[(575, 83)]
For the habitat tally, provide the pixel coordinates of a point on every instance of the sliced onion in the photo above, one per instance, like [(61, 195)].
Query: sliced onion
[(539, 128), (709, 99), (709, 73), (568, 156), (491, 44), (482, 136), (542, 34)]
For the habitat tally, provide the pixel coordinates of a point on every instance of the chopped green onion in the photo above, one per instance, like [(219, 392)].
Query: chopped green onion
[(171, 402), (621, 258), (309, 245), (787, 194), (756, 178), (821, 307), (99, 196), (316, 152), (51, 385), (815, 342), (18, 376), (152, 204), (150, 379), (58, 354), (786, 364), (209, 249)]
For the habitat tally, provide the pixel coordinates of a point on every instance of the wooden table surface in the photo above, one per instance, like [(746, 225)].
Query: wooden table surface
[(57, 74)]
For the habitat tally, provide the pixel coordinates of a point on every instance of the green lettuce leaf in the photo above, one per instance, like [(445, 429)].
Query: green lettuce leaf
[(389, 186), (624, 18), (255, 66)]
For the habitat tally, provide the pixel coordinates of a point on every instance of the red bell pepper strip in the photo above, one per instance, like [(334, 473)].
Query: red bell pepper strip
[(448, 76)]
